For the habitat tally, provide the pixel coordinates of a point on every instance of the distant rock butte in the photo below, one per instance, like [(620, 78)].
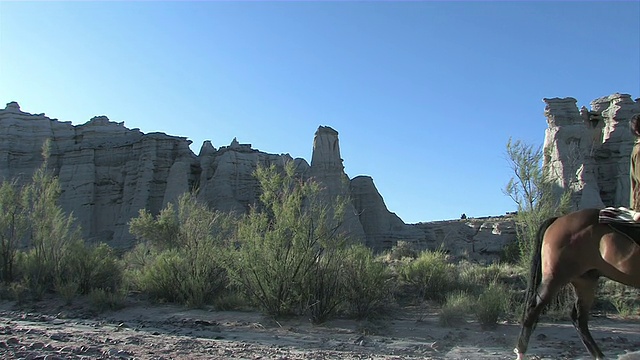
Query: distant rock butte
[(587, 151)]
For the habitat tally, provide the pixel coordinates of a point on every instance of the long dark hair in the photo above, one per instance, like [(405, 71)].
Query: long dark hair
[(634, 124)]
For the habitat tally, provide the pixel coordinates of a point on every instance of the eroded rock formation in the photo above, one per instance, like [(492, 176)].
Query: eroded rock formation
[(477, 239), (109, 172), (587, 151)]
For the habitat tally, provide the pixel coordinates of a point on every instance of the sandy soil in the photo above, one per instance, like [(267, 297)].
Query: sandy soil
[(50, 331)]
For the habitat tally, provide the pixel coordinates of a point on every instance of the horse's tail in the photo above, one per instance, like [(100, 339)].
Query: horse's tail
[(535, 271)]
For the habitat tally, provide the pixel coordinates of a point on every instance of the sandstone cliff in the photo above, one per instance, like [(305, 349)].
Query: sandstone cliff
[(587, 151), (477, 239), (109, 172)]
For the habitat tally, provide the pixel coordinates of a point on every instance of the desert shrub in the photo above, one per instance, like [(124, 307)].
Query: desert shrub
[(31, 275), (13, 227), (161, 277), (623, 298), (288, 248), (561, 305), (137, 262), (431, 275), (91, 267), (141, 255), (102, 299), (162, 231), (367, 283), (323, 295), (49, 232), (456, 307), (169, 276), (232, 299), (17, 291), (67, 290), (511, 252), (403, 249), (181, 253), (625, 306), (204, 279), (475, 278), (492, 304), (42, 266)]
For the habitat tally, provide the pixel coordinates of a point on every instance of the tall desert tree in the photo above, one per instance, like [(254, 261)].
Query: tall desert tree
[(51, 231), (531, 190), (527, 183)]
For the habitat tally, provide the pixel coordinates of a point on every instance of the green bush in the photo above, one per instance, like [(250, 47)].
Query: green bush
[(204, 281), (431, 275), (30, 269), (67, 290), (402, 249), (456, 307), (91, 267), (367, 283), (511, 252), (162, 278), (562, 304), (623, 298), (231, 299), (625, 306), (13, 227), (18, 292), (170, 276), (40, 272), (492, 304), (324, 291), (475, 278), (287, 251), (37, 218), (102, 299), (180, 257)]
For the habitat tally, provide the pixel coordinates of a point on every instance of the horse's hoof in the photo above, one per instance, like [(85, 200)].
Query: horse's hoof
[(519, 355)]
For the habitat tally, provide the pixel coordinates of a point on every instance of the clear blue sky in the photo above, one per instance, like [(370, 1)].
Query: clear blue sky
[(425, 95)]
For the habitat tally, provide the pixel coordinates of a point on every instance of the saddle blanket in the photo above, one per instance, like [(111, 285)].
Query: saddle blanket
[(618, 215)]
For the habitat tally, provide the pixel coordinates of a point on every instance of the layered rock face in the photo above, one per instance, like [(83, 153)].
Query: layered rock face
[(587, 151), (109, 172), (226, 180), (476, 239)]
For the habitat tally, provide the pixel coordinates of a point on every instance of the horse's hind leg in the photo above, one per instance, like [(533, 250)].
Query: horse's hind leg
[(546, 291), (585, 288)]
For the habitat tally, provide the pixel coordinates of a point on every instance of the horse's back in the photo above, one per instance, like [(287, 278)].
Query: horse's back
[(571, 244), (567, 227)]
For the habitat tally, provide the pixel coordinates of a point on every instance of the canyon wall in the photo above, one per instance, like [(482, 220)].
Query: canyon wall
[(109, 172)]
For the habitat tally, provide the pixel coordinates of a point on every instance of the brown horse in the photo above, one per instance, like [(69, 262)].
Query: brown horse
[(576, 248)]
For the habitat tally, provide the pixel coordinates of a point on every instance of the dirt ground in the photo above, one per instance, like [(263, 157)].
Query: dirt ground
[(50, 331)]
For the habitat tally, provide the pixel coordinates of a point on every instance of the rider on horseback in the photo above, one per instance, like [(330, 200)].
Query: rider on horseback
[(634, 171)]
